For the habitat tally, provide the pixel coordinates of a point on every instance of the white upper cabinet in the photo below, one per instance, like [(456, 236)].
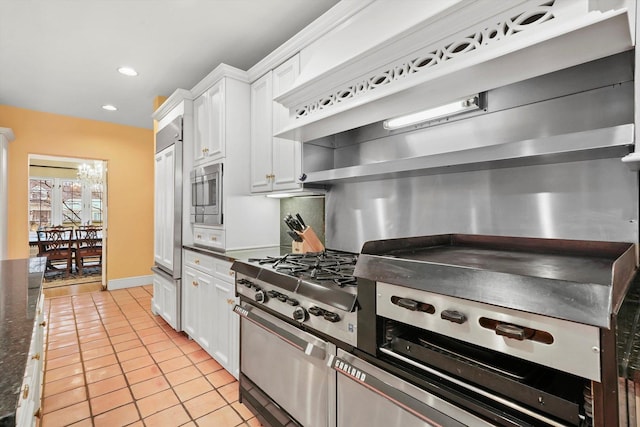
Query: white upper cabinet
[(164, 207), (275, 162), (209, 123), (261, 133)]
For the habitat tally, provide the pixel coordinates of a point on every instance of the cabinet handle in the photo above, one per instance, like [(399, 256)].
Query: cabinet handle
[(198, 236), (196, 261), (232, 273), (25, 391), (230, 301), (36, 356), (43, 323), (194, 283), (214, 238), (38, 413), (267, 177)]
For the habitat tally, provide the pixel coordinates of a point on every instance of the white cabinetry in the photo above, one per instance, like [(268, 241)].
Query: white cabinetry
[(222, 135), (164, 207), (165, 299), (28, 410), (208, 301), (209, 124), (275, 162)]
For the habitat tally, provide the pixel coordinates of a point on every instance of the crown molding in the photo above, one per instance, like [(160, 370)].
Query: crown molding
[(7, 133), (171, 102), (221, 71), (334, 17)]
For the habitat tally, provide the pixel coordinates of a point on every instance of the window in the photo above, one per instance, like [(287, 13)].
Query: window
[(64, 201)]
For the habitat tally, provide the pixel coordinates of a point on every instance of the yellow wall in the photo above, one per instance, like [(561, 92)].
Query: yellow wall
[(129, 154)]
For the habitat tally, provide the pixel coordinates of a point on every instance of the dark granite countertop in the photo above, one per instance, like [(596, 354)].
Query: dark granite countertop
[(20, 285), (242, 254)]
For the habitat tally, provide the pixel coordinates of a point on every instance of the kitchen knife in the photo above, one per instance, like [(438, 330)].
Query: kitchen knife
[(300, 220), (294, 236), (289, 224), (294, 223)]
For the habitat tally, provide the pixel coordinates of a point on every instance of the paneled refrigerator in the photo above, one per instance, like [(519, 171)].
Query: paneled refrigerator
[(167, 267)]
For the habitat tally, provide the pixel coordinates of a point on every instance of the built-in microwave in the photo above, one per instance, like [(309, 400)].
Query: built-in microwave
[(206, 195)]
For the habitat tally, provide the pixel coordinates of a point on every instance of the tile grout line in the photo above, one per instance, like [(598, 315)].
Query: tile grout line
[(84, 371), (141, 419), (120, 303)]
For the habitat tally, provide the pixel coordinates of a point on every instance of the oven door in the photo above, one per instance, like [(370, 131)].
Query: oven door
[(370, 396), (284, 372)]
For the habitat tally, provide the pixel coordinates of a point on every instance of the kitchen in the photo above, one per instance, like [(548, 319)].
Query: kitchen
[(540, 157)]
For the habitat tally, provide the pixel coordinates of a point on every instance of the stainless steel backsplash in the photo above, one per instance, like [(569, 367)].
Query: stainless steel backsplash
[(591, 200), (588, 199)]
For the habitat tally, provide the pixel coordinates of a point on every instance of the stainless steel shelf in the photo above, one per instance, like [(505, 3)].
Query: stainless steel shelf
[(611, 142)]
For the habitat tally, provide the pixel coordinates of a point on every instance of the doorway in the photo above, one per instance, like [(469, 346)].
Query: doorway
[(69, 194)]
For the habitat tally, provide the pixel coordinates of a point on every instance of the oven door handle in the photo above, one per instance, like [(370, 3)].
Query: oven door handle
[(292, 339)]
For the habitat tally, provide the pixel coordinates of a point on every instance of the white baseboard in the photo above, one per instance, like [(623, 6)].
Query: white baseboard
[(129, 282)]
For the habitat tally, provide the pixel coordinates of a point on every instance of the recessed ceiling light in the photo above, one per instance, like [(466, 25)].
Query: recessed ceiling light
[(127, 71), (110, 107)]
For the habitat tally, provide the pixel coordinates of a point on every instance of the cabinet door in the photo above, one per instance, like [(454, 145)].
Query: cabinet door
[(227, 327), (201, 127), (205, 323), (261, 134), (164, 195), (287, 154), (165, 299), (190, 303), (216, 115), (156, 301)]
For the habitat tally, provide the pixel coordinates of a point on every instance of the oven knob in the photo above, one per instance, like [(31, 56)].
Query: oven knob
[(273, 294), (300, 314), (292, 302), (331, 317), (260, 296), (282, 298), (316, 311), (453, 316), (245, 282)]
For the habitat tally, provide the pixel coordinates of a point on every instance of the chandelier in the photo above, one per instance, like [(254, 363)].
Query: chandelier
[(91, 173)]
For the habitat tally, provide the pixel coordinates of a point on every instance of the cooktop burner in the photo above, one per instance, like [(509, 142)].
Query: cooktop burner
[(327, 266)]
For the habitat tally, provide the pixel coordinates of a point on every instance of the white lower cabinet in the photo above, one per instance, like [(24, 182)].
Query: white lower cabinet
[(207, 308), (165, 300), (28, 410)]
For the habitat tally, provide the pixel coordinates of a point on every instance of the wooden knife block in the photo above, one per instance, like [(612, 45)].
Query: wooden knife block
[(310, 242)]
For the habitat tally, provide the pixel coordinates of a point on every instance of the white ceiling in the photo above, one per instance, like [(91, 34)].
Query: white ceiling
[(61, 56)]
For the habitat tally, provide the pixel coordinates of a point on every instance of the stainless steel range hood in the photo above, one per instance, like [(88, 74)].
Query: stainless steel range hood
[(466, 48)]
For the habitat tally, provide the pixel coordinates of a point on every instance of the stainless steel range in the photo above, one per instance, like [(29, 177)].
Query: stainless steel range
[(516, 331), (296, 310)]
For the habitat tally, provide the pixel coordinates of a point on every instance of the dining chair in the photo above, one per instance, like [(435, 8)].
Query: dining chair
[(55, 244), (88, 247)]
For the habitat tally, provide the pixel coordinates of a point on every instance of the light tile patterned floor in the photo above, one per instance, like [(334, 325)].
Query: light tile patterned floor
[(111, 362)]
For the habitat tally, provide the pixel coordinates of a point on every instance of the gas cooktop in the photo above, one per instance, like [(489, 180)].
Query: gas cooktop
[(314, 289), (328, 267)]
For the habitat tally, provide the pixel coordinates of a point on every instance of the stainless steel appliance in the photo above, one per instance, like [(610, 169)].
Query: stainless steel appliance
[(206, 194), (370, 396), (295, 311), (518, 331), (167, 269)]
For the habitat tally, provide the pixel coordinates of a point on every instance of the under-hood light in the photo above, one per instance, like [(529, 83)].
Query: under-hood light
[(451, 109), (307, 194)]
